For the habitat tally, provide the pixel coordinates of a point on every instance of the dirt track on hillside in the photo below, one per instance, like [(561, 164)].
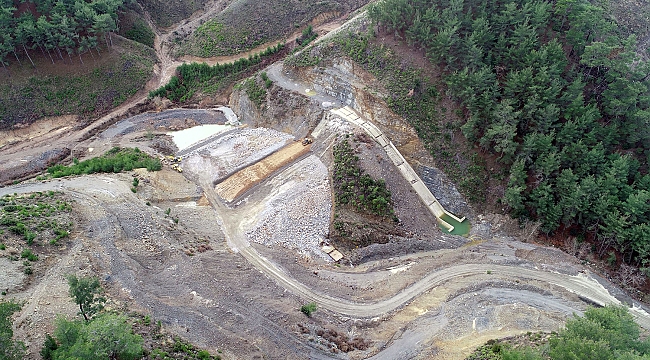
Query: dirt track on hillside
[(201, 276), (205, 281), (144, 258)]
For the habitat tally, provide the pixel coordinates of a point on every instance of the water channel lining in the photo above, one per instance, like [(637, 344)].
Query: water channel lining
[(402, 165)]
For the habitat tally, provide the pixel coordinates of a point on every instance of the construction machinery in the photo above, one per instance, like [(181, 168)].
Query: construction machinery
[(306, 141), (174, 162)]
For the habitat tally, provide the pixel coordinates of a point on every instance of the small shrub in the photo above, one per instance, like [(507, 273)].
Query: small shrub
[(48, 347), (308, 309), (3, 246), (28, 271), (141, 33), (611, 260), (29, 237), (29, 255)]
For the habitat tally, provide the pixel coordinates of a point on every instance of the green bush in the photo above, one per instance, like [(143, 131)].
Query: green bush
[(142, 33), (115, 160), (29, 255), (256, 93), (50, 345), (308, 309), (107, 336), (194, 77)]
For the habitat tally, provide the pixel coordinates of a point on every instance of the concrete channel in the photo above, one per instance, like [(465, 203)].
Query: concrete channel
[(404, 167)]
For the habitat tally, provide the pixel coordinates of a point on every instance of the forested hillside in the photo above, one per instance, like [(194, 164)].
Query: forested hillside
[(559, 93), (56, 28)]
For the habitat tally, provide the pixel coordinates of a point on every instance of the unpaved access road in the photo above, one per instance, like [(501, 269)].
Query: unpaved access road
[(581, 285), (137, 250), (219, 300)]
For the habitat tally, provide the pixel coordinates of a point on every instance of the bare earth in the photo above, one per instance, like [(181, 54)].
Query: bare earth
[(231, 276)]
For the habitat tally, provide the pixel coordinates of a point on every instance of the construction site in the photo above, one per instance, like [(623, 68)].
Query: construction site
[(235, 234)]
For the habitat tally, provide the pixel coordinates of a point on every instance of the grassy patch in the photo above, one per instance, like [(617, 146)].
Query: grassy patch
[(255, 92), (9, 348), (115, 160), (250, 23), (89, 90), (42, 217)]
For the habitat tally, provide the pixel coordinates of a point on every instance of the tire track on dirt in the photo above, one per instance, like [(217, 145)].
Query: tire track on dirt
[(581, 284)]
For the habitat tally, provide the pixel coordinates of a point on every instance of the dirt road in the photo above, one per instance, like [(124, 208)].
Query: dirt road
[(119, 224), (218, 299)]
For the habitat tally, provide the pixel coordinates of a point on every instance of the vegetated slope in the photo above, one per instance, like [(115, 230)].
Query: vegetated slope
[(194, 78), (88, 90), (246, 24), (58, 28), (165, 13), (363, 212), (609, 332), (411, 89), (134, 27), (555, 91)]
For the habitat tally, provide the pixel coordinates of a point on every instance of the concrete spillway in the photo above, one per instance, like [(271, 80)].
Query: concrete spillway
[(402, 165)]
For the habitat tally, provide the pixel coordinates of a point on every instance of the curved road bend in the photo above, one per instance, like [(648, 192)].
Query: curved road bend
[(581, 285)]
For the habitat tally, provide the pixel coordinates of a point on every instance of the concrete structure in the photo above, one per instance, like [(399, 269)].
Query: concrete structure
[(405, 169)]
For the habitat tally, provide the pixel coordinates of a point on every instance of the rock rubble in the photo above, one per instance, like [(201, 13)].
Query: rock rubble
[(297, 217)]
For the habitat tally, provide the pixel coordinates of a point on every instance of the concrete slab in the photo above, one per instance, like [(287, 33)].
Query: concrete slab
[(336, 255)]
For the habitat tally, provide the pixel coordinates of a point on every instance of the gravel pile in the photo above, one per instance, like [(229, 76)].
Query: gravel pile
[(297, 217), (233, 151)]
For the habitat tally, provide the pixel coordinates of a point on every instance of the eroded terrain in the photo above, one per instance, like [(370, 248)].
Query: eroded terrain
[(230, 274)]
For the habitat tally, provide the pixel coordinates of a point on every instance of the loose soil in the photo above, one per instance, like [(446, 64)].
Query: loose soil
[(193, 268), (244, 179)]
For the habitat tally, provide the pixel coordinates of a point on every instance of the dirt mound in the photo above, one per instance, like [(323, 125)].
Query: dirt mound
[(21, 169)]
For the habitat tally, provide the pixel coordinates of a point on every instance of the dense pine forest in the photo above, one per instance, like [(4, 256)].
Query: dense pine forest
[(58, 29), (560, 95)]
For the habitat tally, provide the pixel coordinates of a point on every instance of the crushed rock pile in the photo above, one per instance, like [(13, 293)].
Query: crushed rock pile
[(297, 216)]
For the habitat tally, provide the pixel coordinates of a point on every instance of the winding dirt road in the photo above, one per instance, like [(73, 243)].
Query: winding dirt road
[(582, 285)]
